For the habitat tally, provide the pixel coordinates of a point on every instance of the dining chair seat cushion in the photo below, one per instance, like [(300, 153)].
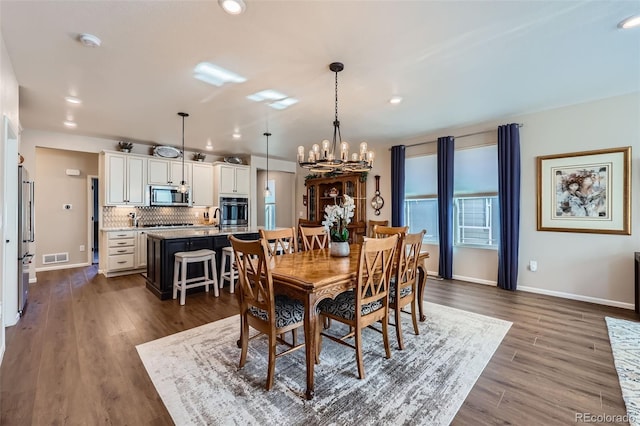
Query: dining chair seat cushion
[(344, 306), (404, 291), (288, 311)]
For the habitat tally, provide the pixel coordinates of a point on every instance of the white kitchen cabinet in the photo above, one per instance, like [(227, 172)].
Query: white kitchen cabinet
[(141, 249), (232, 180), (168, 172), (202, 185), (124, 179)]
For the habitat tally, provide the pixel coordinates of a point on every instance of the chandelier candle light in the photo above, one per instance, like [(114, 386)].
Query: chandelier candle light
[(323, 160), (183, 185), (267, 192)]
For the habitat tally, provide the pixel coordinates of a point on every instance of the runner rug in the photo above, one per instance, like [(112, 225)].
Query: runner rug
[(625, 344), (196, 374)]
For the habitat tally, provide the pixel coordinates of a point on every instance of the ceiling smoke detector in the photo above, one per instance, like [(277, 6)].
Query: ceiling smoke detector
[(89, 40)]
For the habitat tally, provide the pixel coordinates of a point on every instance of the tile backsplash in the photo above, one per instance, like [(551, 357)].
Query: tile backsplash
[(118, 217)]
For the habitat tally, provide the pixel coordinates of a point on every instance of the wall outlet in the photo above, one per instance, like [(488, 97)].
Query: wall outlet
[(533, 265), (67, 206), (82, 247), (300, 214)]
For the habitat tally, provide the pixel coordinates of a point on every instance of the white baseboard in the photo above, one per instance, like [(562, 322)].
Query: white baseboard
[(52, 268), (579, 297), (560, 294)]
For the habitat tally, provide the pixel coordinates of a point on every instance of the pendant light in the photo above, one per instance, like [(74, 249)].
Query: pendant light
[(183, 185), (327, 158), (267, 192)]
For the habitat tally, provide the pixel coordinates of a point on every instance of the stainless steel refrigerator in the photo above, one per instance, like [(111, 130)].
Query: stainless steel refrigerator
[(26, 234)]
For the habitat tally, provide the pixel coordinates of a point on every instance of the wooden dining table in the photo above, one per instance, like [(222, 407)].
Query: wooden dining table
[(310, 276)]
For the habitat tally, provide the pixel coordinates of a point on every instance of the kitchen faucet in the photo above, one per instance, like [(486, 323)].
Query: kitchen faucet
[(215, 215)]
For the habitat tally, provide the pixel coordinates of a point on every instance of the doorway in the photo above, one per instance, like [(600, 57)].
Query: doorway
[(94, 220)]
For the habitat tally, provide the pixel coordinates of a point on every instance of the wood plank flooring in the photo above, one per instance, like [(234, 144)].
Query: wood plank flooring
[(72, 360)]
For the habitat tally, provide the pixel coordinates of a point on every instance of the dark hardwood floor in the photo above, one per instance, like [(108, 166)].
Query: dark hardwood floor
[(72, 360)]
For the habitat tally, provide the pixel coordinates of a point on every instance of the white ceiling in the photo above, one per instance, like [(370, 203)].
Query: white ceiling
[(455, 63)]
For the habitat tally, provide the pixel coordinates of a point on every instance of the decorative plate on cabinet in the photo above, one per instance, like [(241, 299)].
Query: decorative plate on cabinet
[(233, 160), (166, 151)]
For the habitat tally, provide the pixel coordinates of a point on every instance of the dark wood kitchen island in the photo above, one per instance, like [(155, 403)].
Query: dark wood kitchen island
[(162, 245)]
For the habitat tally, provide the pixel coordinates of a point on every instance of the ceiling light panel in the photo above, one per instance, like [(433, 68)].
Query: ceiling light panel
[(267, 95), (215, 75), (283, 103)]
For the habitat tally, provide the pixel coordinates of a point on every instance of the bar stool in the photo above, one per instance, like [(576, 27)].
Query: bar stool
[(232, 275), (180, 281)]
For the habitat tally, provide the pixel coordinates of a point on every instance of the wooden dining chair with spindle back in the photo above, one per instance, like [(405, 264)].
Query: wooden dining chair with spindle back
[(270, 314), (372, 223), (315, 237), (367, 303), (281, 241), (404, 283)]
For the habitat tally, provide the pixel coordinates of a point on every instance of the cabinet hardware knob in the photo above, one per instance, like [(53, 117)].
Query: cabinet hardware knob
[(122, 261)]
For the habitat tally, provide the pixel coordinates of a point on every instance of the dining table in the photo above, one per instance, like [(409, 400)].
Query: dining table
[(310, 276)]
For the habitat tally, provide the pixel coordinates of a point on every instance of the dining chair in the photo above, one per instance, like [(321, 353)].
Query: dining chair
[(315, 237), (404, 283), (367, 303), (281, 241), (385, 231), (373, 223), (273, 315)]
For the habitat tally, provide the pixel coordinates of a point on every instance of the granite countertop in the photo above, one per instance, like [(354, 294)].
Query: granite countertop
[(167, 234), (159, 228)]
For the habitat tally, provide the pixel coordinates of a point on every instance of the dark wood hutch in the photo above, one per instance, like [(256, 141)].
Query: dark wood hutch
[(326, 190)]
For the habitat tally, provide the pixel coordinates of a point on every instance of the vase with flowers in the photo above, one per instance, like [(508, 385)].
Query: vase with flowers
[(336, 219)]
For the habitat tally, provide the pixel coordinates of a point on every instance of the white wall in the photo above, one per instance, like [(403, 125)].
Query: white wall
[(8, 107)]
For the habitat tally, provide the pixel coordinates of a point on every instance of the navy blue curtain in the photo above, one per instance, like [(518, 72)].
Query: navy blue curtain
[(509, 200), (397, 185), (445, 205)]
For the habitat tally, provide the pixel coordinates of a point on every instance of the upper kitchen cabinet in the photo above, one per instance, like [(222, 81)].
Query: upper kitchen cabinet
[(232, 180), (167, 172), (202, 185), (123, 177)]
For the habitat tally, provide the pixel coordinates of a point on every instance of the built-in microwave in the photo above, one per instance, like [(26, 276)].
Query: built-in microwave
[(169, 196), (234, 211)]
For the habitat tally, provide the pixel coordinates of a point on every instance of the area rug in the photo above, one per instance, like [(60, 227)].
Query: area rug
[(625, 344), (196, 374)]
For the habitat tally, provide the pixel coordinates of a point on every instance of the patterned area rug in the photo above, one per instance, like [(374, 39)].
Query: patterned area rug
[(195, 372), (625, 344)]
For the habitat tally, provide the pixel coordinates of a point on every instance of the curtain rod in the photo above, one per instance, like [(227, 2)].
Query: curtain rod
[(456, 137)]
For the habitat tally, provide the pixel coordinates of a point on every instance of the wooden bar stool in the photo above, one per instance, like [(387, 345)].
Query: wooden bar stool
[(180, 281), (232, 275)]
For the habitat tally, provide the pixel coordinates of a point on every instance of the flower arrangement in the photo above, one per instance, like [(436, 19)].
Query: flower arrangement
[(125, 146), (337, 217)]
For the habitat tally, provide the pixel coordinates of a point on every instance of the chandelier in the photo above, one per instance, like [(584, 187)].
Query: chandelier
[(324, 159)]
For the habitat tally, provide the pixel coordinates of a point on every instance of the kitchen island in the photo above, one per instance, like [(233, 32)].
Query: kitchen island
[(162, 246)]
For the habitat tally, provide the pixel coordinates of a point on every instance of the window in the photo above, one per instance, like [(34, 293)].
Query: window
[(270, 206), (475, 208)]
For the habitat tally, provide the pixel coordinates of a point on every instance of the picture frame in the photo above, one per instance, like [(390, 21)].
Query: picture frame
[(588, 191)]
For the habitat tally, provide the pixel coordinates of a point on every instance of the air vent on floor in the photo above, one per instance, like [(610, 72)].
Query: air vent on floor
[(55, 258)]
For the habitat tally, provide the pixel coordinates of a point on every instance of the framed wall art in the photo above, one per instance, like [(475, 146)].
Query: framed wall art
[(585, 191)]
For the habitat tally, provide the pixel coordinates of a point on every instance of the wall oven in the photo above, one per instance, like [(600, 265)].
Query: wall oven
[(169, 196), (234, 211)]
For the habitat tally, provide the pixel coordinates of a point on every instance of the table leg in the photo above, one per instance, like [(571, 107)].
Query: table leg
[(310, 318), (422, 282)]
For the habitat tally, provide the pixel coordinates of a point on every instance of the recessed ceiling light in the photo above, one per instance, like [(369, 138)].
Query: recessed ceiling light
[(232, 7), (89, 40), (70, 124), (215, 75), (209, 146), (630, 22), (73, 100), (236, 135), (395, 100)]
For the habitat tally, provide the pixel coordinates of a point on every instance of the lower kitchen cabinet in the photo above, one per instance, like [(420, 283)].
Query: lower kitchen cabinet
[(123, 252), (160, 259)]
